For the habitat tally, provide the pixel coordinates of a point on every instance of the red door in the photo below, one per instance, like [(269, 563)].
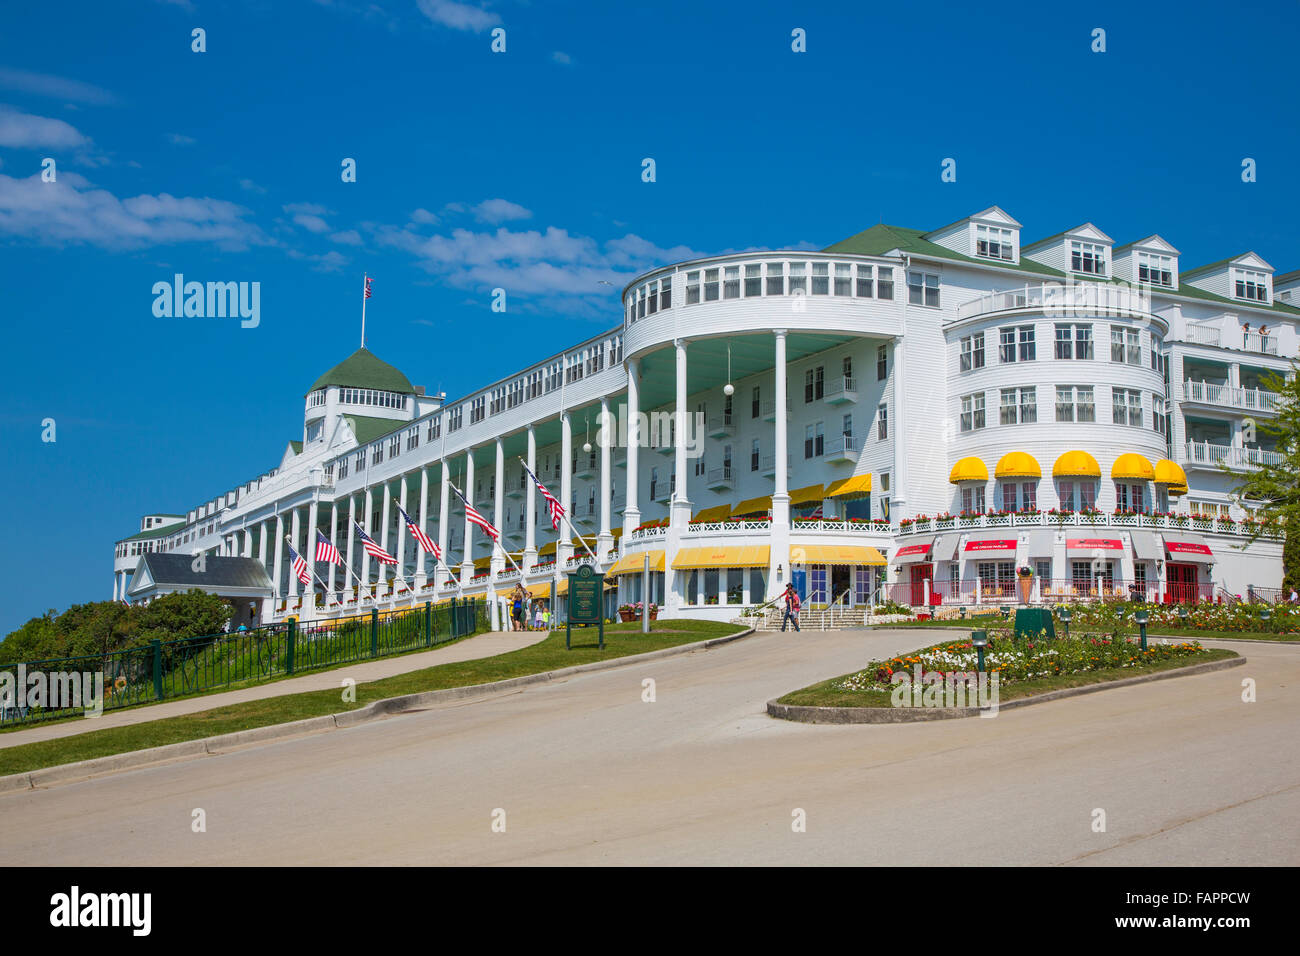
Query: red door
[(920, 574), (1181, 583)]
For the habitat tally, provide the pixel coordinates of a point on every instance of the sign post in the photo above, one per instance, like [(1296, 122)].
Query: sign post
[(586, 593)]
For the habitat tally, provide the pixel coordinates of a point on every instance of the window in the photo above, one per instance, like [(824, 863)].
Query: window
[(754, 403), (378, 455), (972, 499), (1009, 489), (882, 362), (846, 366), (1074, 341), (847, 426), (776, 278), (1155, 269), (843, 278), (454, 418), (814, 440), (1126, 407), (753, 455), (864, 281), (993, 242), (798, 278), (1159, 411), (1129, 497), (1018, 406), (1074, 403), (821, 278), (1251, 285), (654, 483), (476, 410), (692, 288), (814, 384), (1125, 346), (731, 282), (394, 446), (923, 289), (884, 282), (1088, 258), (711, 285), (972, 352), (972, 412), (1029, 496), (882, 423), (753, 280)]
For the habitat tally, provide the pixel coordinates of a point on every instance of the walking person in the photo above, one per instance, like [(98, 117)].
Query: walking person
[(517, 608), (791, 598)]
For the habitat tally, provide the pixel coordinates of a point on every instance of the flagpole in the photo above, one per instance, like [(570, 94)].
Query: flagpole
[(311, 566), (496, 543), (435, 557), (563, 514), (348, 568), (363, 309)]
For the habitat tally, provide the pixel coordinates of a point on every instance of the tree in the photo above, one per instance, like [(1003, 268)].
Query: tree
[(1274, 489)]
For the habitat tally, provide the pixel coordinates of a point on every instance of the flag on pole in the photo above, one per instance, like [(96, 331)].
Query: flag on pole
[(418, 533), (477, 519), (368, 281), (325, 550), (300, 569), (556, 509), (372, 549)]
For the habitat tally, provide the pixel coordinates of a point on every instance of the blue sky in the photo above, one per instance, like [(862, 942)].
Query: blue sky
[(522, 170)]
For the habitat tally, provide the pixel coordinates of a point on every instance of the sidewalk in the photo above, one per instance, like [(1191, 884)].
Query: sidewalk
[(472, 648)]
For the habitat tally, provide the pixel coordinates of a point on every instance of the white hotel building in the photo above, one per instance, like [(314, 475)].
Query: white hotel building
[(928, 410)]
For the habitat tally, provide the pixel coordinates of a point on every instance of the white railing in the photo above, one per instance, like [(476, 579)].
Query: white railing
[(720, 478), (1205, 453), (1188, 522), (769, 407), (840, 386), (842, 447), (1254, 342), (720, 425), (728, 527), (1210, 393), (1060, 298), (645, 534), (1201, 334)]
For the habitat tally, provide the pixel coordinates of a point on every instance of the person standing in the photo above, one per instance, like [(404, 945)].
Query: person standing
[(791, 598)]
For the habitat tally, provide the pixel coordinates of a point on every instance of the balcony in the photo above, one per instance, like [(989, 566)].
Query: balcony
[(841, 390), (663, 493), (1205, 455), (1225, 396), (1202, 335), (720, 479), (520, 488), (720, 426), (1263, 344), (769, 409), (584, 466), (1049, 519), (1055, 299), (842, 450), (769, 466)]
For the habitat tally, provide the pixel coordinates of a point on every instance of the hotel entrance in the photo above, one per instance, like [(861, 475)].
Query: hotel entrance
[(1181, 586)]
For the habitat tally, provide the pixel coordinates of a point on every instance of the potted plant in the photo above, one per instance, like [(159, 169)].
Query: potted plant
[(626, 613)]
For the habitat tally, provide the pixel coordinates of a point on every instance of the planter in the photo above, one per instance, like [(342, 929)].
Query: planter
[(654, 614), (627, 617)]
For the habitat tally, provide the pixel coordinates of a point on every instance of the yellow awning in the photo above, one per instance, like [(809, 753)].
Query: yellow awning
[(712, 514), (856, 486), (735, 556), (630, 563), (1017, 464), (1170, 473), (753, 506), (835, 554), (968, 469), (481, 563), (1133, 466), (802, 496), (1076, 464), (1178, 490), (616, 532), (542, 590), (546, 549)]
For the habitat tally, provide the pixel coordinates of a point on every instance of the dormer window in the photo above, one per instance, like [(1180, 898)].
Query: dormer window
[(1087, 258), (1155, 269), (1250, 285), (992, 242)]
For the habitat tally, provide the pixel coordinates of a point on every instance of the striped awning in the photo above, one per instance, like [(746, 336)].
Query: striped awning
[(547, 549), (734, 556), (542, 590), (802, 496), (856, 487), (712, 514), (631, 563), (753, 506), (835, 554)]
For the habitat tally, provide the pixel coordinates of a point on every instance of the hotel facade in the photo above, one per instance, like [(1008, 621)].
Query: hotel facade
[(907, 414)]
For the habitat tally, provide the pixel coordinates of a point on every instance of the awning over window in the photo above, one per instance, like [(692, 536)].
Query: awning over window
[(945, 547), (1188, 547), (481, 563), (1145, 546), (1111, 548), (542, 590), (835, 554), (802, 496), (735, 556), (916, 550), (968, 469), (635, 562), (1076, 464), (753, 506), (1017, 464), (1042, 544), (990, 548), (849, 488), (1170, 473), (712, 514), (546, 549), (1133, 466)]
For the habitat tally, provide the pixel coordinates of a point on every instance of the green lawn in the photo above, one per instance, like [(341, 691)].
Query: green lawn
[(621, 640)]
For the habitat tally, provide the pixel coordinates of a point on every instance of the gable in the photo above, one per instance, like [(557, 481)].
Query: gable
[(995, 215), (1089, 233), (1251, 261)]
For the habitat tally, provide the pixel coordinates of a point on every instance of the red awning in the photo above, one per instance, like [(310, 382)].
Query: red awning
[(1093, 544), (1185, 547), (992, 547)]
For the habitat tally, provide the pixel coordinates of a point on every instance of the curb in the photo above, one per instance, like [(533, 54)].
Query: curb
[(211, 746), (908, 715)]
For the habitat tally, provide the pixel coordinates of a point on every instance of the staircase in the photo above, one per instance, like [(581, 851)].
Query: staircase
[(815, 619)]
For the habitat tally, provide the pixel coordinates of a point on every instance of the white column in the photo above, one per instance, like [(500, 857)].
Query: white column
[(295, 527), (263, 532), (564, 549), (467, 553), (308, 551), (332, 597), (679, 509), (383, 534), (369, 503), (352, 533), (279, 550), (498, 505), (401, 534), (606, 434), (443, 521), (421, 576), (248, 542), (780, 532), (117, 584), (530, 520), (631, 512), (898, 490)]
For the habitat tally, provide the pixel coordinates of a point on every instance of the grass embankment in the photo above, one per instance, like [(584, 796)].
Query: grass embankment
[(1026, 668), (621, 640)]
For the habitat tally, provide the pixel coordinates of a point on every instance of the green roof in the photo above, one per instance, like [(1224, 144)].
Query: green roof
[(296, 445), (367, 429), (881, 239), (159, 532), (362, 369)]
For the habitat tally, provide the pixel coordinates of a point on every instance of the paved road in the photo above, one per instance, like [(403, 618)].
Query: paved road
[(588, 773)]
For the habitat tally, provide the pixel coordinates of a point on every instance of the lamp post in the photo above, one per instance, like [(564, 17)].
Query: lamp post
[(1065, 619), (962, 610), (1182, 614), (1266, 615), (979, 640), (1141, 617)]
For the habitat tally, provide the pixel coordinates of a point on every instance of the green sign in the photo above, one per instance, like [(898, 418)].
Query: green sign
[(586, 601)]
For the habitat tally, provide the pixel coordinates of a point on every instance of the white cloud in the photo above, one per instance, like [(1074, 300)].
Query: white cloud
[(26, 131), (71, 211), (56, 87), (559, 56), (424, 217), (312, 224), (177, 139), (249, 186), (458, 16), (349, 237), (500, 210), (306, 208), (308, 216)]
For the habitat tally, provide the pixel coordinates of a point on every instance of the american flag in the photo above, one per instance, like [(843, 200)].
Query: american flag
[(553, 503), (368, 281), (418, 533), (325, 550), (372, 549), (300, 568), (476, 518)]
